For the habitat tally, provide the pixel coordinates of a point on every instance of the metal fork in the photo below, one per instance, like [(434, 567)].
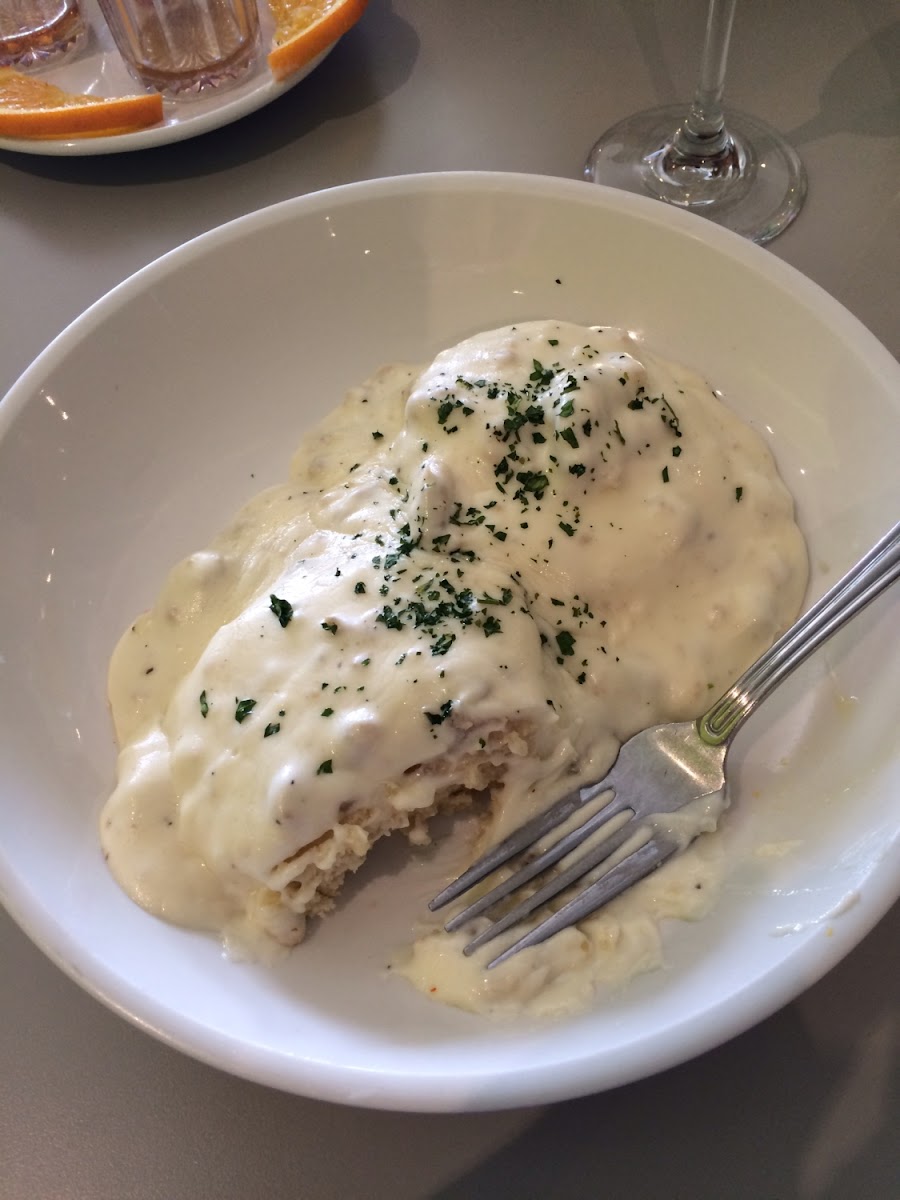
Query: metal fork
[(658, 771)]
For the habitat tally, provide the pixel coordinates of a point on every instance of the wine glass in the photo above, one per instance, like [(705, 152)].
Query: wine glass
[(741, 174)]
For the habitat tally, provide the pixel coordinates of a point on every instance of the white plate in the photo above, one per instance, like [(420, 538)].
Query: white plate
[(98, 70), (172, 400)]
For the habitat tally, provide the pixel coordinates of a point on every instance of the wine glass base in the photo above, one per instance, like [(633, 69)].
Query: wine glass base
[(756, 187)]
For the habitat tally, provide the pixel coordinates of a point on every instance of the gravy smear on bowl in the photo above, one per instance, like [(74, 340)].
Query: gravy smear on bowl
[(482, 576)]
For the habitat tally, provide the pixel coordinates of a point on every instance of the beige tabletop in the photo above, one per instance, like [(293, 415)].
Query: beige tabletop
[(805, 1105)]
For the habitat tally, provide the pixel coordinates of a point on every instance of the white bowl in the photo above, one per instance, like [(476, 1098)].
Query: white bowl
[(148, 421)]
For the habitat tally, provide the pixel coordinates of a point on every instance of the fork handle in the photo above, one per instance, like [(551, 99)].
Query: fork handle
[(872, 574)]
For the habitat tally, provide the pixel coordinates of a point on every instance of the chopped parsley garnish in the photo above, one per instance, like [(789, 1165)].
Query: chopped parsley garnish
[(204, 704), (272, 727), (330, 626), (738, 492), (505, 597), (665, 474), (325, 768), (541, 375), (535, 482), (388, 617), (566, 643), (282, 609), (671, 419), (443, 713), (472, 517), (327, 712), (243, 709), (360, 588)]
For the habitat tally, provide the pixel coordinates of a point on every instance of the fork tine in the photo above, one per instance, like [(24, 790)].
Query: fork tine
[(566, 844), (519, 840), (623, 875), (556, 884)]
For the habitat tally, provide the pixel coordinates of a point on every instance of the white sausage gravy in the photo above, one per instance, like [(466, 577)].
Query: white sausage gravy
[(480, 577)]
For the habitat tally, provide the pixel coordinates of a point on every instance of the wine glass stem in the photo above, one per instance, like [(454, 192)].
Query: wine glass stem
[(703, 132)]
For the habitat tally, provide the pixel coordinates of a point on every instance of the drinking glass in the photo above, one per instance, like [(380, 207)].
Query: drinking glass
[(34, 32), (184, 47), (739, 173)]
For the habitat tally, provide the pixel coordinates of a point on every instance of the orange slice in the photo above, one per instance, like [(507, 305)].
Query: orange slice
[(33, 108), (304, 28)]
